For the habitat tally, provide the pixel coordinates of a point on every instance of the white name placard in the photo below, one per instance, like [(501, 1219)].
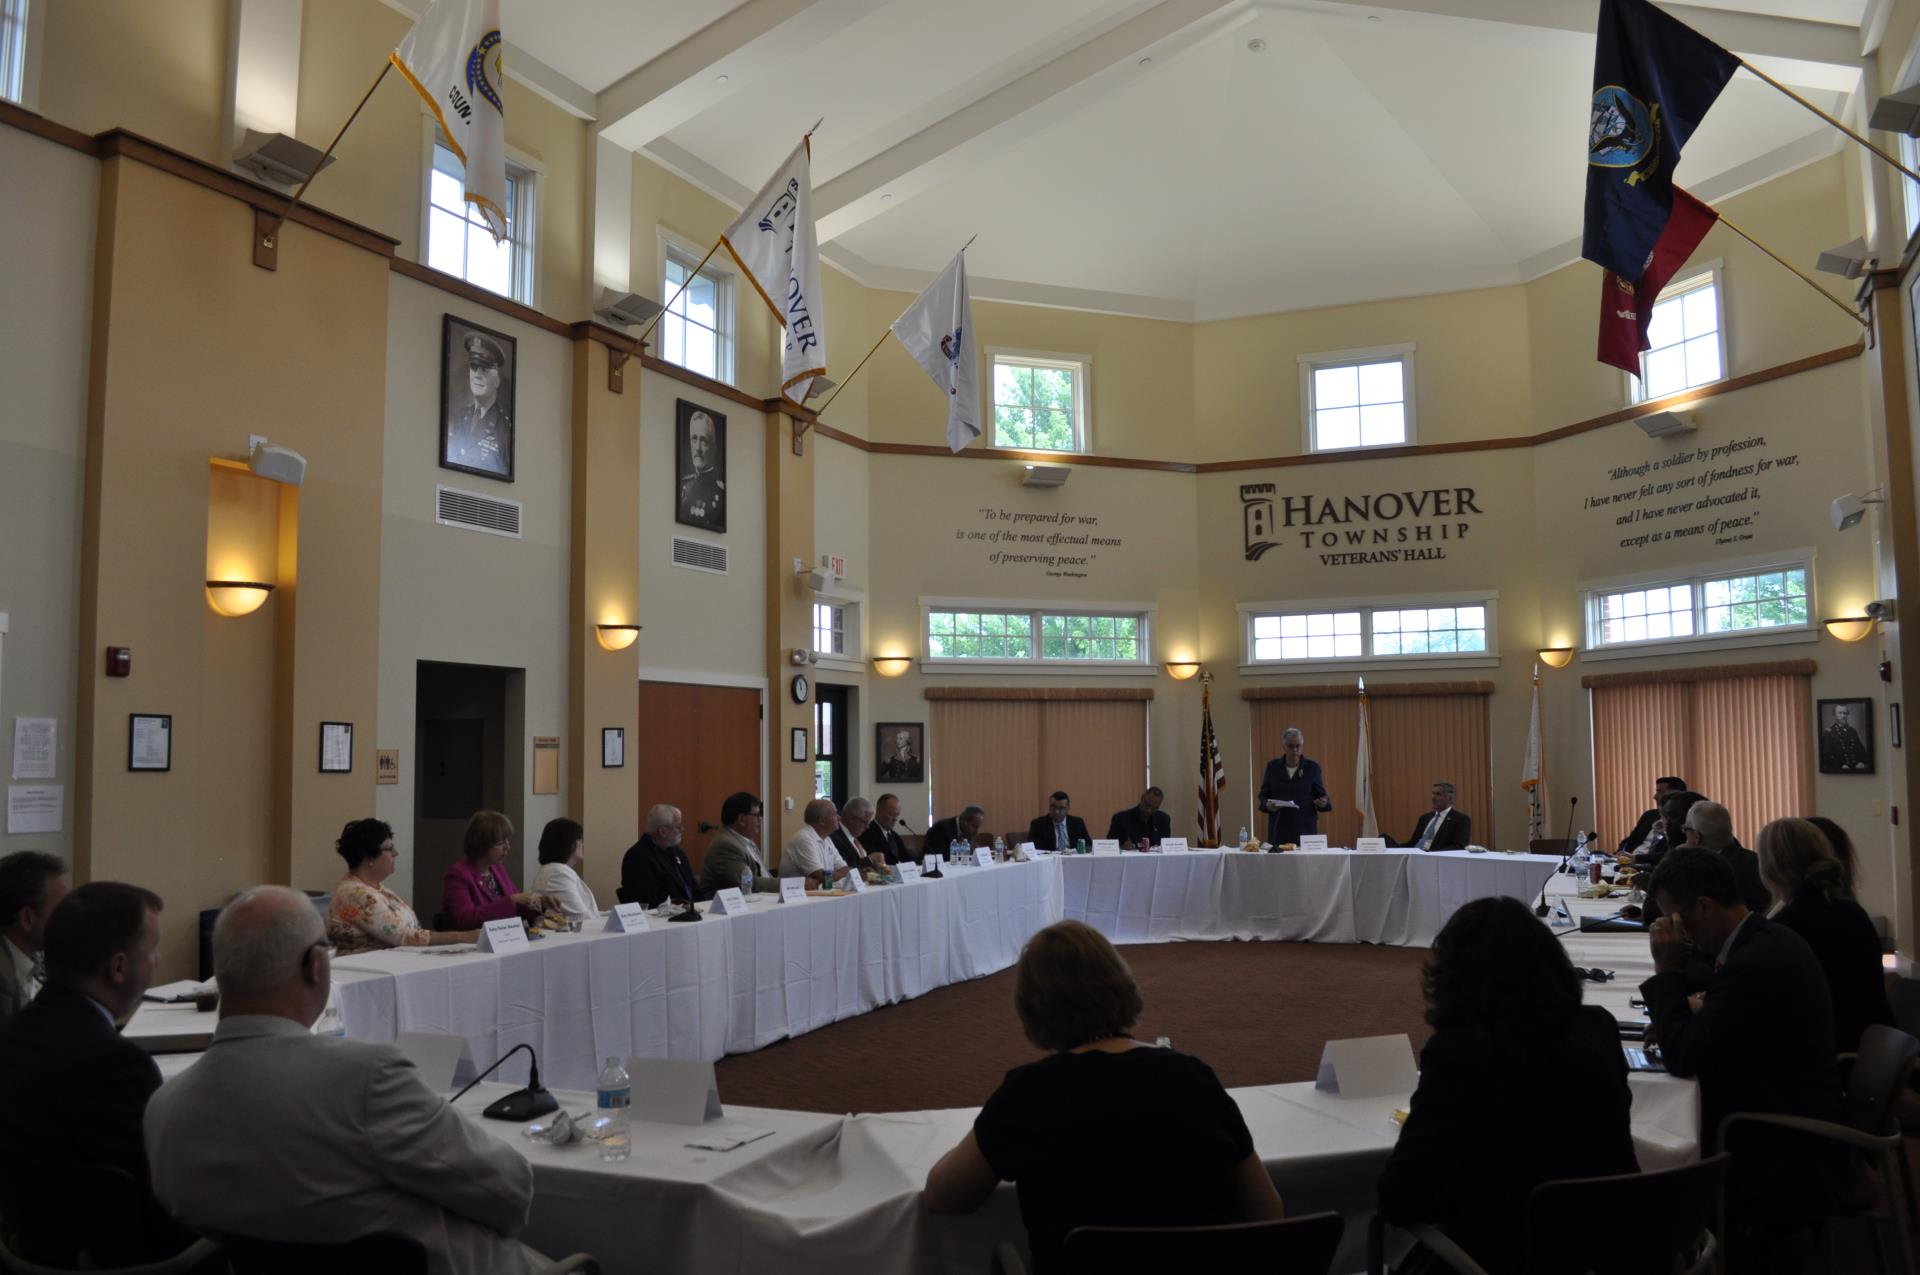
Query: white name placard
[(1368, 1067), (728, 902), (1026, 848), (793, 889), (668, 1091), (983, 857), (1105, 845), (501, 937), (856, 880), (1173, 845), (1372, 845), (627, 918), (933, 863), (1313, 841), (908, 871)]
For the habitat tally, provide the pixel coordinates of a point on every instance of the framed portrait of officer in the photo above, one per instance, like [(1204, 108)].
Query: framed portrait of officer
[(1846, 736), (700, 467), (477, 368)]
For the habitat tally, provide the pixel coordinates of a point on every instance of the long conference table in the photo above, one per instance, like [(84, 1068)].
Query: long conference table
[(830, 1193)]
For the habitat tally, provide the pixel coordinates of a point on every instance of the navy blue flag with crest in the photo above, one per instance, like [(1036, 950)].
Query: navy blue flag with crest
[(1653, 79)]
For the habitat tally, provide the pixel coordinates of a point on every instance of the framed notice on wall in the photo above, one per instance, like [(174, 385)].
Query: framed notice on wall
[(336, 748), (613, 747), (150, 741)]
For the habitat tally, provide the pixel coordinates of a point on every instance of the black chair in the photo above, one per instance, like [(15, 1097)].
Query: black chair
[(1675, 1214), (624, 895), (387, 1252), (1293, 1246), (50, 1215)]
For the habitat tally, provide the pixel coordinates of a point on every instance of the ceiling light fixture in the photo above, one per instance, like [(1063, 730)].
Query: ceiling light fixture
[(1256, 45), (719, 79), (1146, 61)]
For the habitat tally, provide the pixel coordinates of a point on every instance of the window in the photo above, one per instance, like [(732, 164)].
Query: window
[(1366, 632), (1358, 398), (1057, 637), (1909, 188), (697, 332), (1040, 401), (1686, 340), (823, 748), (1774, 597), (829, 629), (13, 49), (458, 241)]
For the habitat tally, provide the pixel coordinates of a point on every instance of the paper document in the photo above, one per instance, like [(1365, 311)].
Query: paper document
[(1278, 804), (35, 744), (729, 1137), (176, 993), (34, 808)]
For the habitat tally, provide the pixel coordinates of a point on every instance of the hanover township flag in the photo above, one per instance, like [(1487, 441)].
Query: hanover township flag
[(452, 59), (1653, 79), (772, 240), (1533, 772), (1213, 775), (1363, 775), (1626, 306), (937, 330)]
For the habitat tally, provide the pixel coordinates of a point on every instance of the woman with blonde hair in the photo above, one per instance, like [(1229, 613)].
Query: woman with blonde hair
[(1808, 884), (1104, 1130)]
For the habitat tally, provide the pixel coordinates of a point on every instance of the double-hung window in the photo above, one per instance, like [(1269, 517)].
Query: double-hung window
[(458, 240), (13, 49), (1687, 340), (1040, 401), (1442, 629), (829, 629), (1357, 398), (697, 331)]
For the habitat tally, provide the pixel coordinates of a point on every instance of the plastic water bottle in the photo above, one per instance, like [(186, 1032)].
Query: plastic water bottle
[(1243, 837), (957, 853), (614, 1089), (1580, 855), (330, 1023), (746, 883), (999, 848)]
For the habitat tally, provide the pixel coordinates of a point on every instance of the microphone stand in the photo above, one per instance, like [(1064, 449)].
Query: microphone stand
[(1566, 857), (522, 1104)]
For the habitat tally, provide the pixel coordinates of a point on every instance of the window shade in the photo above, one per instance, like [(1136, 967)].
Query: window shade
[(1006, 756)]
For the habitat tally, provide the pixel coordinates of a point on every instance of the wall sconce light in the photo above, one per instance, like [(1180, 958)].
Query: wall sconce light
[(616, 637), (1849, 628), (891, 665), (237, 597), (1555, 656), (1183, 670)]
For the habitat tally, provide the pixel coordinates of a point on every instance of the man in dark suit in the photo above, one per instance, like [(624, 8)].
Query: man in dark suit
[(1443, 827), (1708, 826), (32, 884), (1760, 1039), (964, 826), (76, 1088), (880, 837), (1059, 828), (855, 818), (1291, 794), (1137, 827), (655, 868), (1648, 835)]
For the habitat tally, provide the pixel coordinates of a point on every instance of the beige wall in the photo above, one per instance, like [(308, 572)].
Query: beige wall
[(153, 69)]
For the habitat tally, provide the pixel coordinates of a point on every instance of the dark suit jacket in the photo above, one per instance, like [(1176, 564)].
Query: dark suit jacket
[(1130, 827), (1639, 834), (1303, 789), (1762, 1040), (650, 874), (76, 1093), (878, 840), (1040, 832), (1746, 875), (1470, 1153), (1455, 834), (850, 850), (941, 836), (1848, 948)]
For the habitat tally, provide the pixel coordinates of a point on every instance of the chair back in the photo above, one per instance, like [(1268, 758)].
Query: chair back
[(1549, 845), (1879, 1077), (388, 1252), (623, 894), (51, 1213), (1673, 1209), (1290, 1246)]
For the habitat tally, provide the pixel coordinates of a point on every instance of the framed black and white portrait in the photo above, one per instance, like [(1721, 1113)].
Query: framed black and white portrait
[(477, 367), (700, 466), (902, 750), (1846, 736)]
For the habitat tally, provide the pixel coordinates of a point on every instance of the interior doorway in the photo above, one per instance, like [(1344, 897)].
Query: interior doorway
[(694, 747), (465, 719), (832, 743)]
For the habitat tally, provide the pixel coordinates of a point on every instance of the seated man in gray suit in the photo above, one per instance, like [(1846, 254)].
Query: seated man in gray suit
[(283, 1135), (734, 851)]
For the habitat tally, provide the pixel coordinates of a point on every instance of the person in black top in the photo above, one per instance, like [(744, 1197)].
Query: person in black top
[(1059, 828), (1136, 827), (1707, 825), (1841, 845), (849, 838), (964, 826), (1809, 898), (1650, 822), (880, 838), (1291, 794), (655, 868), (1103, 1131), (1511, 1039), (1760, 1038), (1443, 827)]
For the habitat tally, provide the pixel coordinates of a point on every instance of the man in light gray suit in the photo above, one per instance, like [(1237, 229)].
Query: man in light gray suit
[(735, 849), (279, 1134), (31, 886)]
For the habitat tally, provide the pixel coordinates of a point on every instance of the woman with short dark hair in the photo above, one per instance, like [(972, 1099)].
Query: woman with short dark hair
[(1808, 884), (364, 915), (1104, 1131), (1511, 1040), (479, 889), (563, 854)]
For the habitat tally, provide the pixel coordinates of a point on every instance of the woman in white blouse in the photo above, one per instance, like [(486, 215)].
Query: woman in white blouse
[(562, 855)]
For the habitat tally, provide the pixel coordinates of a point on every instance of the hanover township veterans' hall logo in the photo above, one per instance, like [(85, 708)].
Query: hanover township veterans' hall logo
[(483, 70), (781, 214), (1256, 500), (950, 345), (1621, 132)]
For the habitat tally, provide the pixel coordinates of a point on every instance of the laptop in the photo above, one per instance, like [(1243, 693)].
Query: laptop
[(1647, 1059)]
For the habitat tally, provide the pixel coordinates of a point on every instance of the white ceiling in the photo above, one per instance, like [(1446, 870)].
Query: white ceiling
[(1137, 156)]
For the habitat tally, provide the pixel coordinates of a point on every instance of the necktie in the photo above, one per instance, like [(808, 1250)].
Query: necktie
[(1060, 835), (1426, 838)]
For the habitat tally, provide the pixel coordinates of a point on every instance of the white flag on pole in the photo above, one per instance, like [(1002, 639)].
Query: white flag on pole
[(1533, 772), (452, 59), (1363, 775), (772, 240), (937, 330)]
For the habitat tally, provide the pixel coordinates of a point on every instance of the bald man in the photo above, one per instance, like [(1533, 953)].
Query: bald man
[(811, 853)]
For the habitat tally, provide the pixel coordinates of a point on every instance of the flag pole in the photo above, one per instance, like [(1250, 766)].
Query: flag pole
[(273, 232), (822, 409), (1829, 119), (684, 285), (1805, 278)]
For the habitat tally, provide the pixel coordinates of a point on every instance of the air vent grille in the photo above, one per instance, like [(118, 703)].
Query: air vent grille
[(496, 517), (699, 555)]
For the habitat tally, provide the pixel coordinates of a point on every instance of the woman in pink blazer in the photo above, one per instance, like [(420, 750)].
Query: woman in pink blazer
[(479, 889)]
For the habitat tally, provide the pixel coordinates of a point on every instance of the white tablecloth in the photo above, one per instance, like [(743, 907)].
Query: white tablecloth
[(1400, 897)]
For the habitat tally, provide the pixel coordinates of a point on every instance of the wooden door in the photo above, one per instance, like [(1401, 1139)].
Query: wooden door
[(695, 747)]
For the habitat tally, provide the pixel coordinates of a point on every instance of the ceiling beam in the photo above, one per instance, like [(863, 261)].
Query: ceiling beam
[(522, 67)]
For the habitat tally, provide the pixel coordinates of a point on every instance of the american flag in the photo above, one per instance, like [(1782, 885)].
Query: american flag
[(1213, 775)]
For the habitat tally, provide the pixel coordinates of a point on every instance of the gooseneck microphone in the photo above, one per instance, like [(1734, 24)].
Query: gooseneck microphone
[(521, 1104), (1566, 857)]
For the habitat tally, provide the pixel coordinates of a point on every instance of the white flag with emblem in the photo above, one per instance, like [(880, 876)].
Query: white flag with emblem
[(1533, 770), (773, 241), (452, 58), (937, 330)]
